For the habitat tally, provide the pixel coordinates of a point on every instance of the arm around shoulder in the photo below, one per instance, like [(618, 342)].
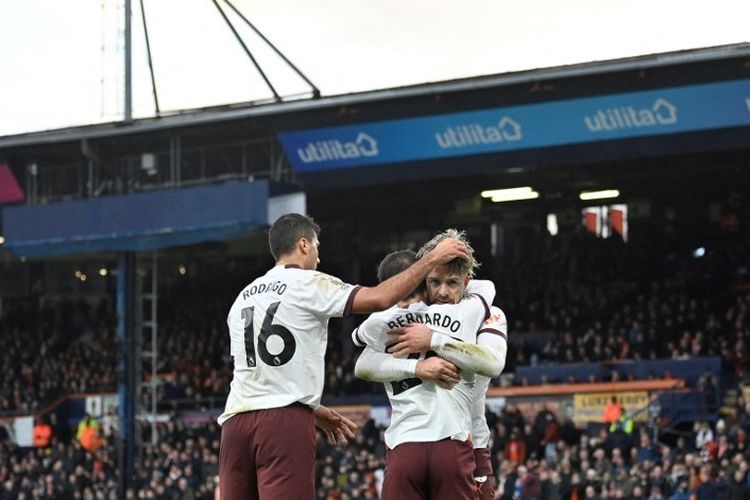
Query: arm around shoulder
[(486, 357), (382, 367)]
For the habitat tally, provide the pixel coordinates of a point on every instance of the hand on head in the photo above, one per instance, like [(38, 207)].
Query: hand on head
[(449, 249)]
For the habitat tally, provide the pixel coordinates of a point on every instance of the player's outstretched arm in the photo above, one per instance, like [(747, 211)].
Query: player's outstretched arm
[(377, 366), (336, 427), (390, 291), (487, 357), (382, 367)]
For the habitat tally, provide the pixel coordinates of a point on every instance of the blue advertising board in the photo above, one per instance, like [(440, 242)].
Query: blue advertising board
[(602, 118), (137, 222)]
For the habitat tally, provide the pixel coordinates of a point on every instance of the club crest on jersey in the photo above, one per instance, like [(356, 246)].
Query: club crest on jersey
[(495, 318), (325, 278)]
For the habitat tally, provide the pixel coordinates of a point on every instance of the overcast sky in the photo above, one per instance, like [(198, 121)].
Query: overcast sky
[(61, 60)]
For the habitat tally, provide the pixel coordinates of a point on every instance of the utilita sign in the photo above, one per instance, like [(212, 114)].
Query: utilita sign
[(574, 121)]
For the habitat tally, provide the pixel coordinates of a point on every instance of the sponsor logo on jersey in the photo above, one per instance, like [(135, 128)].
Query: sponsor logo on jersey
[(495, 318)]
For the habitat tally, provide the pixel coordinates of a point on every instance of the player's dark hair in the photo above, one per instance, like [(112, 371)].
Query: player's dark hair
[(395, 262), (287, 231)]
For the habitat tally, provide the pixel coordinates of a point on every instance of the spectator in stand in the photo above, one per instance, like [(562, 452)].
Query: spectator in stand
[(528, 485), (706, 490), (42, 433), (703, 435), (88, 434), (612, 411), (551, 435), (515, 449), (738, 489)]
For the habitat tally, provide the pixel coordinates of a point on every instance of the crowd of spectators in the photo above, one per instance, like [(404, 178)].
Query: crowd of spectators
[(543, 458), (54, 349), (610, 301), (603, 302), (546, 456), (183, 465), (606, 301)]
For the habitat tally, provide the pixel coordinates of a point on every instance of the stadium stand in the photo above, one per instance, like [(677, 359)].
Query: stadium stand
[(665, 313), (578, 331), (542, 457), (698, 306)]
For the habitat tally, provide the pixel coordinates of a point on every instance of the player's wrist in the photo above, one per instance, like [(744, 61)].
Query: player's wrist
[(436, 340), (418, 368), (411, 367)]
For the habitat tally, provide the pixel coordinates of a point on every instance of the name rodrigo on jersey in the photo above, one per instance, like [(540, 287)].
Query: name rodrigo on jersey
[(275, 286)]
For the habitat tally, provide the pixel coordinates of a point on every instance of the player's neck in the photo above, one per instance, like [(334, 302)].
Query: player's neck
[(292, 260)]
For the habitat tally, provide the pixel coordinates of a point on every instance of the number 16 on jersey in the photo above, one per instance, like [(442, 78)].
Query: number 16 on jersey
[(267, 330)]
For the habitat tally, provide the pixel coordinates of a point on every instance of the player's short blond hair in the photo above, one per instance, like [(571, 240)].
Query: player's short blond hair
[(462, 267)]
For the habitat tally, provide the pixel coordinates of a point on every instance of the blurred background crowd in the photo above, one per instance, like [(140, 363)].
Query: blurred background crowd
[(659, 298)]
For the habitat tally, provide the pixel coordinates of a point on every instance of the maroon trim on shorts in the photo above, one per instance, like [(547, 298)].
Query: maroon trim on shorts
[(484, 303), (292, 266), (493, 331), (350, 301), (483, 467), (483, 460)]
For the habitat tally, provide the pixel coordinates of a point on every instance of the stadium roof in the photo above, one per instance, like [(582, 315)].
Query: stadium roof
[(259, 109)]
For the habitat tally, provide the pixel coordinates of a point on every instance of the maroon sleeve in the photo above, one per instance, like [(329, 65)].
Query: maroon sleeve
[(484, 303), (493, 331), (350, 301)]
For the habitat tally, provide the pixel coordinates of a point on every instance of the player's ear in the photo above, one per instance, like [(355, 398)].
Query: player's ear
[(303, 245), (466, 281)]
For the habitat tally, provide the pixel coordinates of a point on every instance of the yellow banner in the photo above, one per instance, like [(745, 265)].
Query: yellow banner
[(590, 407), (746, 392)]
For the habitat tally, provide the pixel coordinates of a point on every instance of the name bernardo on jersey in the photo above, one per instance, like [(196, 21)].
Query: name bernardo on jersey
[(434, 319)]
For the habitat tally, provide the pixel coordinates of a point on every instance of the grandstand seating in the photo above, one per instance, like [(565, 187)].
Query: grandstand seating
[(609, 464), (674, 316)]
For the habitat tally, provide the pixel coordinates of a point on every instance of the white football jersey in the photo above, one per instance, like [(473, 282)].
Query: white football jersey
[(496, 324), (423, 411), (278, 328)]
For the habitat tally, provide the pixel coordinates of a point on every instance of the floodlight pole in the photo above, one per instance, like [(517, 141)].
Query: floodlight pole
[(315, 90), (128, 115), (247, 51), (126, 372), (150, 60)]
